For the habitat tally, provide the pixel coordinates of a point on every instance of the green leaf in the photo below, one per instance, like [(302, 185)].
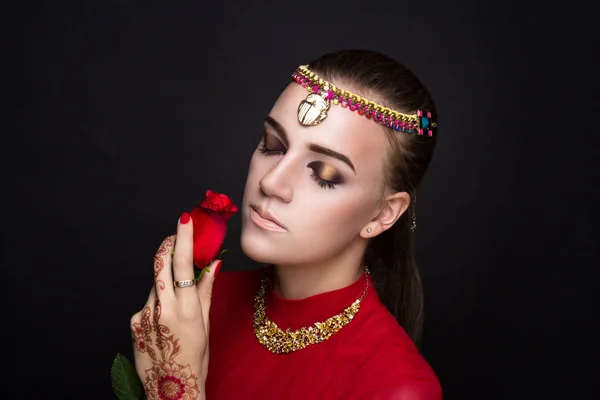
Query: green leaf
[(125, 381)]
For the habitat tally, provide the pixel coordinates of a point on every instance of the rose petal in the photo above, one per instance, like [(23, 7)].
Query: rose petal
[(210, 217)]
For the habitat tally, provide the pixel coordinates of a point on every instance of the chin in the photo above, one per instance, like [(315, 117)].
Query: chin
[(257, 248), (264, 250)]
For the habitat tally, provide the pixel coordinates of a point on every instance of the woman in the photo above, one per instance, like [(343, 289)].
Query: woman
[(329, 207)]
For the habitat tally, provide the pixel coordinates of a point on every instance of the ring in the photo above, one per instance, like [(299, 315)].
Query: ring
[(185, 283)]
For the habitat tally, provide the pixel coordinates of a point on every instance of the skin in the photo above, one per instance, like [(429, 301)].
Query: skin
[(326, 227), (170, 334)]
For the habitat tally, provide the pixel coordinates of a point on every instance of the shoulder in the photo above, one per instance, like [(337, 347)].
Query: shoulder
[(399, 374), (393, 368)]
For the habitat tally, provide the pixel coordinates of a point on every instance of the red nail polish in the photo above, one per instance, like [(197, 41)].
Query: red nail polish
[(218, 267), (184, 219)]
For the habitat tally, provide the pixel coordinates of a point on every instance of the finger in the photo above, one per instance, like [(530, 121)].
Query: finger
[(163, 278), (142, 334), (205, 286), (183, 264)]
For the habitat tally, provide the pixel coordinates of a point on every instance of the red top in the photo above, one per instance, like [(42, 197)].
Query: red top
[(370, 358)]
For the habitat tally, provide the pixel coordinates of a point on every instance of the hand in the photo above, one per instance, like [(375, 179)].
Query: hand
[(170, 334)]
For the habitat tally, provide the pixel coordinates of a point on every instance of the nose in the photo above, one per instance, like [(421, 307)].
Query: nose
[(278, 181)]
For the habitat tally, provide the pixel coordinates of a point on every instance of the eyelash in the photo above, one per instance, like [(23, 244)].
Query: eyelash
[(268, 152), (322, 182), (325, 184)]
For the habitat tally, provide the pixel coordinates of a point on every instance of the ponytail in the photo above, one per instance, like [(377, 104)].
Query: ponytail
[(396, 277)]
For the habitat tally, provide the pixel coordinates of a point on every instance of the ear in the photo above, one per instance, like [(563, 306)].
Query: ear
[(393, 207)]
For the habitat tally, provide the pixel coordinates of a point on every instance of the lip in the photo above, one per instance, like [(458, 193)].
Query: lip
[(266, 219)]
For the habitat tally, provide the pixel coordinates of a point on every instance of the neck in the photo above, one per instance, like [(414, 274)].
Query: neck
[(299, 281)]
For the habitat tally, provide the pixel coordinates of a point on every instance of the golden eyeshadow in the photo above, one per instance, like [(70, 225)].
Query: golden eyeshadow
[(326, 172)]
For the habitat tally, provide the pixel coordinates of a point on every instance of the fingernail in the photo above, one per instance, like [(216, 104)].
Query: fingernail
[(218, 267), (184, 219)]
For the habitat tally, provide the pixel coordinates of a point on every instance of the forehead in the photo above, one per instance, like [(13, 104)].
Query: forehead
[(344, 131)]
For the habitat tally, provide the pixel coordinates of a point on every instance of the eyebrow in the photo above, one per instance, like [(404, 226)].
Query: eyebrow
[(312, 146)]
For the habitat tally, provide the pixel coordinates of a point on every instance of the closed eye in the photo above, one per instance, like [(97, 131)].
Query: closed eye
[(270, 152), (325, 184), (324, 175), (271, 146)]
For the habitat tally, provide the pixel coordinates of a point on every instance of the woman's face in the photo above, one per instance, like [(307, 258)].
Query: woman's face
[(322, 183)]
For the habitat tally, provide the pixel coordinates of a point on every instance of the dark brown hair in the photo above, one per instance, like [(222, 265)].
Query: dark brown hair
[(390, 255)]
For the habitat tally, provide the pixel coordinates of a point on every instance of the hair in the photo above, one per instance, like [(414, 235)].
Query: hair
[(390, 257)]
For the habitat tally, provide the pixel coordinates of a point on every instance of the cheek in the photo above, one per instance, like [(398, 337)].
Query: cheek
[(338, 218), (324, 230)]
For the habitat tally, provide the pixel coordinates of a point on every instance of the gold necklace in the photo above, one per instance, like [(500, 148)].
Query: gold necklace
[(278, 341)]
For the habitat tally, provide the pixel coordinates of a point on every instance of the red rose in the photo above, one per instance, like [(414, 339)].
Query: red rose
[(210, 217)]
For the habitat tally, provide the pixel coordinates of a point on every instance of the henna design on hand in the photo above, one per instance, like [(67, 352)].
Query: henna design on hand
[(165, 248), (141, 334), (160, 330), (138, 338), (171, 381), (166, 379)]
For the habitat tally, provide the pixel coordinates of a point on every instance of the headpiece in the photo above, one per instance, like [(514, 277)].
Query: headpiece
[(313, 109)]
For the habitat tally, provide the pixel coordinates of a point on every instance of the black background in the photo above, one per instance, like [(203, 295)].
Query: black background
[(127, 111)]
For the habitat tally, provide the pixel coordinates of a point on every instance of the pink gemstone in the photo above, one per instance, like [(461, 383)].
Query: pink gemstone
[(428, 114), (316, 88), (373, 113), (395, 122), (420, 113), (420, 131), (352, 107), (344, 104), (430, 133), (329, 95)]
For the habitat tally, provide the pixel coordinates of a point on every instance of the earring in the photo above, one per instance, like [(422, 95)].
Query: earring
[(369, 230)]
